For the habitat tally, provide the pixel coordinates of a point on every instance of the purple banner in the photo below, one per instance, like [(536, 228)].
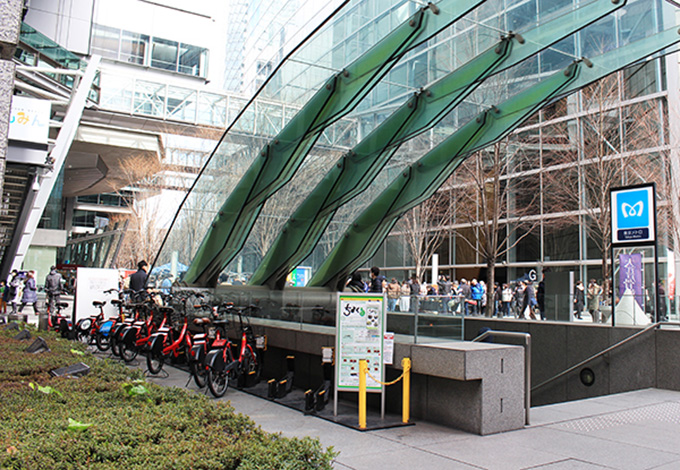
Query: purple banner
[(630, 276)]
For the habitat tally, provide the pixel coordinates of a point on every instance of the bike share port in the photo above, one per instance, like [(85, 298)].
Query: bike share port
[(319, 401)]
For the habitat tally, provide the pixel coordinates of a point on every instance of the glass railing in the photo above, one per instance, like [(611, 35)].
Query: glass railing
[(36, 49), (50, 49)]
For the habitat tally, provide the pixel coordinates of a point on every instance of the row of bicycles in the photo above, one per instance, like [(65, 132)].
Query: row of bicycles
[(179, 327)]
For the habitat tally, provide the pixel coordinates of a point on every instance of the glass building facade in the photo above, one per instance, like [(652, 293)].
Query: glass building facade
[(547, 171)]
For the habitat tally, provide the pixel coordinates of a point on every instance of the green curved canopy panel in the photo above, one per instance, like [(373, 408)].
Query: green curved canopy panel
[(280, 159), (422, 179), (355, 170)]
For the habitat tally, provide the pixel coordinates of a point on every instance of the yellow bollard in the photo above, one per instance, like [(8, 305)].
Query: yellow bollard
[(362, 393), (405, 411)]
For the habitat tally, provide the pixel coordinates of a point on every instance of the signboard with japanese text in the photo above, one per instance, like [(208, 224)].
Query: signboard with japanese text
[(360, 330), (633, 214), (29, 120)]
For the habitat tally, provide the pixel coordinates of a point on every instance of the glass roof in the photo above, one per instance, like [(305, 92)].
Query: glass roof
[(309, 154)]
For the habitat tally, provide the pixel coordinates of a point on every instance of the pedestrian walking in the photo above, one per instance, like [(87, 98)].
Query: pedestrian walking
[(53, 283), (30, 294)]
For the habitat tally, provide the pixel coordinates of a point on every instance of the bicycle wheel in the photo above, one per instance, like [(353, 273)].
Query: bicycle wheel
[(197, 369), (218, 382), (103, 342), (115, 345), (83, 336), (251, 367), (127, 353), (154, 362)]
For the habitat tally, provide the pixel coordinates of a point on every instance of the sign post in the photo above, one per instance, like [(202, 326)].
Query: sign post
[(633, 223), (360, 330)]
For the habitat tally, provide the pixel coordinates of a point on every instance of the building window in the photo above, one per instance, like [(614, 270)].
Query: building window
[(164, 54), (133, 47), (141, 49)]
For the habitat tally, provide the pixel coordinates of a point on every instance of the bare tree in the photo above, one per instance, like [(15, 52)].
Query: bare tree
[(143, 236), (578, 180), (421, 229), (496, 209)]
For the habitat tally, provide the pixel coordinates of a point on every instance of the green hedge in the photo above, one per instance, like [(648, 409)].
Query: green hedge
[(132, 424)]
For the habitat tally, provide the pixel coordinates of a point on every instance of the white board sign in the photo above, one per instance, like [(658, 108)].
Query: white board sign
[(29, 120), (388, 348), (90, 286), (359, 335)]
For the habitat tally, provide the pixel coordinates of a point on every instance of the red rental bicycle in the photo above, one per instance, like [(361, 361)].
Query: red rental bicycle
[(221, 365), (214, 329), (137, 336), (166, 343)]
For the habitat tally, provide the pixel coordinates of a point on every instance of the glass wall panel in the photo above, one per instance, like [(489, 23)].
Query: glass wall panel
[(528, 247), (466, 243), (192, 60), (524, 195), (561, 190), (558, 56), (560, 240), (181, 103), (599, 37), (133, 47), (105, 41), (164, 54), (640, 80)]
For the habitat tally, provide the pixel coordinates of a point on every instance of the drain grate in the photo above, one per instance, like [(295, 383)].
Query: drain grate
[(662, 412)]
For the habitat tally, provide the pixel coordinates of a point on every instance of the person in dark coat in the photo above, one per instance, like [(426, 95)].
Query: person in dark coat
[(579, 299), (138, 279), (30, 295), (355, 284)]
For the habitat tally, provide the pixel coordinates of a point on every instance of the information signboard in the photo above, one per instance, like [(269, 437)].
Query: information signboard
[(359, 335), (90, 286), (633, 214)]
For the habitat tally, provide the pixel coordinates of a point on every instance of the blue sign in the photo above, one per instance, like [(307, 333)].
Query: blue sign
[(632, 214), (633, 210)]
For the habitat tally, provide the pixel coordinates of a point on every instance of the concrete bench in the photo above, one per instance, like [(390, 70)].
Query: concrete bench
[(475, 387)]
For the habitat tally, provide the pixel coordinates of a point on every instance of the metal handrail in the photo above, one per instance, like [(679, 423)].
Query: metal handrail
[(651, 327), (527, 362)]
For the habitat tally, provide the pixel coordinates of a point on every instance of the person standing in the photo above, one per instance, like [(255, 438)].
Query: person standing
[(466, 296), (393, 290), (30, 295), (3, 302), (378, 281), (405, 300), (540, 298), (579, 299), (506, 300), (476, 292), (138, 280), (14, 290), (593, 295), (53, 288), (528, 301), (415, 292)]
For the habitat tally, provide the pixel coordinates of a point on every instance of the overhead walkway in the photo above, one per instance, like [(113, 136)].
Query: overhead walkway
[(290, 204)]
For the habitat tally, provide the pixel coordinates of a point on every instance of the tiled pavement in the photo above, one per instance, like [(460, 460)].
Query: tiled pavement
[(634, 430)]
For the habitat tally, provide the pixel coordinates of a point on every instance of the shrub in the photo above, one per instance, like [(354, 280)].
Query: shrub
[(132, 424)]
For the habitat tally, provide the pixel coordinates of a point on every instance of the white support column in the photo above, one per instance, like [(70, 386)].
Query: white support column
[(61, 148)]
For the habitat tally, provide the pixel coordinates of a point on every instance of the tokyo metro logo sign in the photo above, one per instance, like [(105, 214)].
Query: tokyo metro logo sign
[(632, 214), (633, 209)]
